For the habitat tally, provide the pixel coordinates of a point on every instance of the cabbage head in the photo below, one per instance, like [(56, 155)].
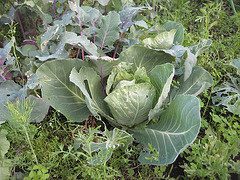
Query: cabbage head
[(130, 95)]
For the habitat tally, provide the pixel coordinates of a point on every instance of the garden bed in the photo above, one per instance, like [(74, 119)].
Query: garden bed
[(119, 89)]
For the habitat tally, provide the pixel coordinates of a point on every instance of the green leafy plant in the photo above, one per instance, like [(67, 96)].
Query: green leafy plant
[(96, 149), (137, 91), (38, 172), (210, 157), (20, 117), (115, 46), (20, 114), (229, 95), (209, 9), (114, 139)]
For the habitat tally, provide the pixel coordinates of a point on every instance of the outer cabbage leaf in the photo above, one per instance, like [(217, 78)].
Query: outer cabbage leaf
[(107, 64), (189, 63), (176, 51), (90, 84), (130, 105), (37, 7), (60, 92), (10, 91), (116, 138), (179, 36), (161, 78), (201, 47), (75, 6), (126, 16), (73, 39), (198, 81), (104, 148), (142, 56), (103, 2), (5, 169), (5, 51), (50, 34), (192, 54), (5, 164), (40, 108), (178, 127), (163, 40), (32, 80)]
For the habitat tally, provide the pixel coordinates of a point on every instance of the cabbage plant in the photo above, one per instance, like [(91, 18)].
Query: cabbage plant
[(149, 91), (144, 102)]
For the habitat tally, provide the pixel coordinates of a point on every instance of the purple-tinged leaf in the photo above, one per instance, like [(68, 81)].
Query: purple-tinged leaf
[(36, 6), (71, 38), (6, 75), (74, 6), (30, 43), (127, 15), (109, 32)]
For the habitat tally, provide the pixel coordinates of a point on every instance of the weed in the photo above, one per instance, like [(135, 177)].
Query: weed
[(20, 117), (211, 157), (38, 172), (209, 10)]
